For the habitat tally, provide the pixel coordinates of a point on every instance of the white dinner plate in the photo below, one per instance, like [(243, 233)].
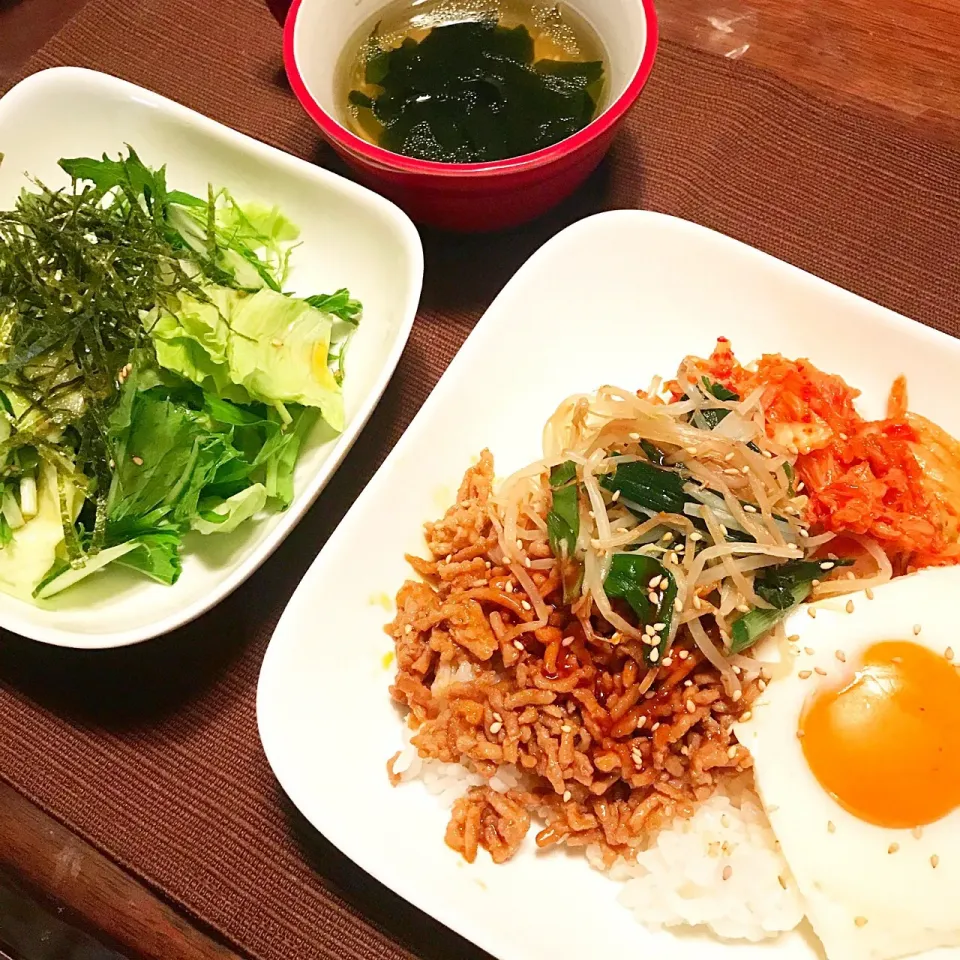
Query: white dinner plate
[(614, 299), (350, 237)]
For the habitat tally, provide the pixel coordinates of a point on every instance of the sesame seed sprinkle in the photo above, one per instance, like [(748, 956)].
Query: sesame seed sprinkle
[(567, 796), (634, 436), (678, 605), (729, 456), (616, 496), (732, 752), (868, 593), (745, 469), (138, 461), (849, 607), (566, 728), (641, 720), (408, 628), (827, 565), (731, 471), (737, 695), (805, 674), (750, 508), (934, 861), (831, 827), (727, 872), (566, 642), (668, 661), (793, 638), (860, 921), (696, 536), (655, 582), (691, 707), (820, 671), (519, 645), (948, 653), (683, 654), (893, 848), (917, 832), (916, 629), (496, 727), (525, 604), (654, 656), (746, 715), (812, 613), (841, 656), (691, 450), (808, 651)]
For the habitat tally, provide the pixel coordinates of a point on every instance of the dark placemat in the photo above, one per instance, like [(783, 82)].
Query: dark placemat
[(152, 753)]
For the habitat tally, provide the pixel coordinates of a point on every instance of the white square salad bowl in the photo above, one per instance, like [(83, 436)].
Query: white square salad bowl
[(350, 237), (614, 299)]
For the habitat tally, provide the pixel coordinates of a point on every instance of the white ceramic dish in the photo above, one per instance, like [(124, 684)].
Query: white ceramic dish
[(614, 299), (350, 238)]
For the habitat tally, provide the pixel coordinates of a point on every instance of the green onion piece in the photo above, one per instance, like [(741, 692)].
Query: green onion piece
[(563, 527), (629, 579)]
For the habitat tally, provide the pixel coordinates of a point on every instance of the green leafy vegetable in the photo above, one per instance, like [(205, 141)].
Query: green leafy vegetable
[(629, 579), (155, 378), (471, 92), (563, 526)]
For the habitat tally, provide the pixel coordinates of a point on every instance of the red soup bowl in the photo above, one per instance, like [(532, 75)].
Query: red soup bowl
[(466, 197)]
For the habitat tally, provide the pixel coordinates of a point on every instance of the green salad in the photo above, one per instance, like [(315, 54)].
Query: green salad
[(155, 375)]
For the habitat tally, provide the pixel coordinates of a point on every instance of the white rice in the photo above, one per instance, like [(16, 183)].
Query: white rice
[(678, 879)]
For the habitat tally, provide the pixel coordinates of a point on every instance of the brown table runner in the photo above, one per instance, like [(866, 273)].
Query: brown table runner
[(152, 753)]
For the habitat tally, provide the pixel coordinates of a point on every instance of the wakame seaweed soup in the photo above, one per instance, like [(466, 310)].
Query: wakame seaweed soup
[(471, 82)]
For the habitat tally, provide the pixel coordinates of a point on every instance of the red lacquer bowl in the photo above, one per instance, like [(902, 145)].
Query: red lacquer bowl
[(468, 197)]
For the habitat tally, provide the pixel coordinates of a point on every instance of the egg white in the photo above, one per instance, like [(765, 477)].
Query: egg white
[(840, 863)]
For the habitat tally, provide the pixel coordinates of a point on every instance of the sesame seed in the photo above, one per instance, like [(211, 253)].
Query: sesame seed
[(496, 727), (841, 656), (615, 497), (691, 707), (860, 921), (849, 607), (728, 457), (916, 629), (812, 613), (654, 656), (408, 628), (820, 671), (648, 630), (727, 872), (691, 450), (567, 796), (761, 685), (814, 582), (737, 670), (750, 508), (743, 607), (496, 716), (803, 531), (868, 593), (731, 471), (138, 461), (509, 586), (808, 651), (696, 537), (893, 848), (634, 436), (732, 752), (527, 562), (934, 861), (831, 827), (566, 642), (655, 582), (850, 575), (668, 662), (768, 454), (688, 683), (746, 715), (448, 558), (827, 565), (641, 720), (566, 728), (678, 605), (667, 537), (805, 674), (519, 645), (525, 604), (659, 627), (683, 654), (782, 882), (801, 734), (799, 486), (843, 436), (697, 603), (737, 695), (653, 598), (519, 544), (793, 638), (745, 469), (917, 832)]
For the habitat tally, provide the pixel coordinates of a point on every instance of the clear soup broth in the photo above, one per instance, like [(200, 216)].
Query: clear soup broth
[(463, 81)]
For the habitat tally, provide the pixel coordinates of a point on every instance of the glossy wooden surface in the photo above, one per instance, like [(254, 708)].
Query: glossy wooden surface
[(894, 56)]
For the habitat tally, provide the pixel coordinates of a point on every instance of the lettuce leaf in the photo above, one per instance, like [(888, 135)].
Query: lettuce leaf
[(224, 516), (244, 347)]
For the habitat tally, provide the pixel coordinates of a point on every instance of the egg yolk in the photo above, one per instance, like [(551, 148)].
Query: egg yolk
[(887, 745)]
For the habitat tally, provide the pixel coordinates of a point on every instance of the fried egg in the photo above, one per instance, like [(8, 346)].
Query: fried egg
[(856, 752)]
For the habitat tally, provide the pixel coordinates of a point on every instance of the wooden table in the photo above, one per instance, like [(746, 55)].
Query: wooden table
[(59, 898)]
